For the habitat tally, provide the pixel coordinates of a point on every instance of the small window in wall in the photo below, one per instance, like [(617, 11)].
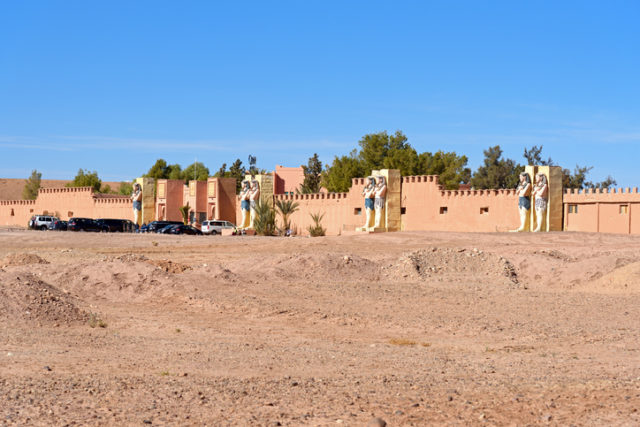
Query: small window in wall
[(70, 214), (624, 209), (484, 211), (573, 209), (357, 211), (443, 210), (13, 213), (403, 211)]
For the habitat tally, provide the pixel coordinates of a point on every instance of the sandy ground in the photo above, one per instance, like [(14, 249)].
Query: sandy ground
[(411, 328)]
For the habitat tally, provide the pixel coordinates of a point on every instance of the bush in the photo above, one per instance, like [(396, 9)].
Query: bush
[(316, 229), (265, 221)]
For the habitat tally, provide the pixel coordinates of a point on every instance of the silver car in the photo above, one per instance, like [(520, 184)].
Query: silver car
[(215, 226)]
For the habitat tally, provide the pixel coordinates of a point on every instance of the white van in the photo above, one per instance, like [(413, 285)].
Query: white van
[(215, 226)]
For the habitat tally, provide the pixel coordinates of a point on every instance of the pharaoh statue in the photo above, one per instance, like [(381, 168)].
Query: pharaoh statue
[(380, 197), (136, 198), (523, 190), (369, 194), (541, 198), (254, 196), (245, 204)]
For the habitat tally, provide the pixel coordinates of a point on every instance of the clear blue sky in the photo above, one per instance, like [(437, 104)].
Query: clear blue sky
[(112, 86)]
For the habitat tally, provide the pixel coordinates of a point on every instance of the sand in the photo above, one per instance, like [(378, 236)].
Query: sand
[(416, 328)]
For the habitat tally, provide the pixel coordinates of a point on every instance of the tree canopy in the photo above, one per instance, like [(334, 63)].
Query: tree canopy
[(383, 151), (312, 175), (84, 178), (31, 187), (496, 172)]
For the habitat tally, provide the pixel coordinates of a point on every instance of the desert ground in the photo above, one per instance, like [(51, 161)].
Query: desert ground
[(413, 328)]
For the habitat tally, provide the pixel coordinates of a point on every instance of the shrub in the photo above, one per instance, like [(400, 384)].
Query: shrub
[(286, 208), (316, 229), (184, 210), (265, 221)]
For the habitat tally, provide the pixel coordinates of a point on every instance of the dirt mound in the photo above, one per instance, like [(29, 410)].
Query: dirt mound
[(22, 259), (319, 267), (621, 279), (437, 262), (25, 297)]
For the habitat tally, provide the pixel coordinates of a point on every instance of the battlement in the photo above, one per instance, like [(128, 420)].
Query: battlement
[(113, 199), (594, 195), (478, 193), (420, 178), (65, 190), (312, 196), (17, 202)]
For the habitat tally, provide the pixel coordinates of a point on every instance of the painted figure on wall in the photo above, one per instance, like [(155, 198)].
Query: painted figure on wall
[(368, 192), (136, 198), (245, 204), (541, 199), (380, 198), (523, 190), (254, 196)]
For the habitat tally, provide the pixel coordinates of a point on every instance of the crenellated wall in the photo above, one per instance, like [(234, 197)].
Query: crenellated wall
[(426, 205), (602, 210), (65, 203)]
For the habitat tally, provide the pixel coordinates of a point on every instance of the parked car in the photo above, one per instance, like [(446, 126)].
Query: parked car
[(117, 225), (216, 226), (41, 222), (156, 226), (58, 225), (181, 229), (86, 224)]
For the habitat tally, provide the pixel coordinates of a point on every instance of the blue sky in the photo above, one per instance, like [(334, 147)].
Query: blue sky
[(112, 86)]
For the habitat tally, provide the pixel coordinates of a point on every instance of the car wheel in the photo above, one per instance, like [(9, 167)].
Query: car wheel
[(214, 232), (43, 228)]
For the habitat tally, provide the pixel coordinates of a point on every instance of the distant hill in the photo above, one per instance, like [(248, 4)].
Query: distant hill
[(11, 189)]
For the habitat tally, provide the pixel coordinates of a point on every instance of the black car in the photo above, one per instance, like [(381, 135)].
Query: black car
[(86, 224), (59, 225), (181, 229), (156, 226), (117, 225)]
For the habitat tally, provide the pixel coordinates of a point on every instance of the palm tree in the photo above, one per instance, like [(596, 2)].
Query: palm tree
[(265, 222), (184, 210), (286, 208)]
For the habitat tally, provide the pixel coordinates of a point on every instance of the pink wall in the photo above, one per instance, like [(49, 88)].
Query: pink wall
[(66, 203), (604, 211), (287, 180), (172, 200)]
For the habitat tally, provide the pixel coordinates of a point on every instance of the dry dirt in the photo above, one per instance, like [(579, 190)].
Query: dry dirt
[(411, 328)]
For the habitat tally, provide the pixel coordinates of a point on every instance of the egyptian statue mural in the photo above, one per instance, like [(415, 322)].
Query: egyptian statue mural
[(523, 190), (380, 198), (541, 199), (254, 196), (369, 201), (245, 204)]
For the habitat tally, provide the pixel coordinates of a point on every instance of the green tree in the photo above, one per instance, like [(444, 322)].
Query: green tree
[(236, 171), (197, 171), (451, 168), (159, 170), (312, 175), (496, 172), (31, 187), (126, 188), (286, 208), (534, 157), (174, 172), (84, 178), (383, 151), (337, 178)]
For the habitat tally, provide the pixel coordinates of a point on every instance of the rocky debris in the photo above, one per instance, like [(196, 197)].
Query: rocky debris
[(170, 266), (26, 297), (440, 262), (22, 259), (131, 257), (377, 422)]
